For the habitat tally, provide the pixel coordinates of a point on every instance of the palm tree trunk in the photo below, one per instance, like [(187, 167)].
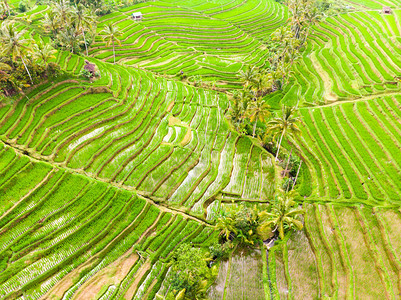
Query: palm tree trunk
[(279, 144), (26, 68), (114, 54), (254, 128), (288, 162), (86, 47), (296, 177)]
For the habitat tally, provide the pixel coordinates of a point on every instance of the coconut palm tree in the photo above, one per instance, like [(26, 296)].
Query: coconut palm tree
[(282, 217), (225, 225), (51, 23), (69, 38), (286, 124), (43, 51), (248, 76), (82, 19), (258, 110), (14, 44), (111, 35), (238, 109), (62, 10), (4, 68), (235, 114)]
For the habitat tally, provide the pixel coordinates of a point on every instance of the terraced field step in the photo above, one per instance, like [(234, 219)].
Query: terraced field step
[(214, 41), (163, 139), (55, 223), (334, 69), (352, 151), (342, 250)]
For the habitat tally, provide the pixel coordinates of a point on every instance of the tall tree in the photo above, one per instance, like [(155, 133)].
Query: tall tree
[(14, 44), (282, 217), (258, 111), (69, 38), (248, 76), (43, 51), (62, 10), (82, 19), (51, 23), (111, 35), (225, 224), (286, 124)]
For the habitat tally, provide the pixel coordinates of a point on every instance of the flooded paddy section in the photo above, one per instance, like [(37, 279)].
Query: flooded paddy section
[(240, 277)]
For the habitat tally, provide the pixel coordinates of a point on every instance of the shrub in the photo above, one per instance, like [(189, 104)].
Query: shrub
[(191, 272), (23, 6), (85, 73), (219, 251)]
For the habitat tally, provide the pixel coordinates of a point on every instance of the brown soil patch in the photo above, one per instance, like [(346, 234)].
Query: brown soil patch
[(112, 274), (173, 121), (63, 285), (138, 276), (169, 107), (187, 138)]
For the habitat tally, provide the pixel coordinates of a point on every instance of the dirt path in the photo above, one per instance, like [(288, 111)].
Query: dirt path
[(138, 276), (112, 274), (58, 290), (370, 97)]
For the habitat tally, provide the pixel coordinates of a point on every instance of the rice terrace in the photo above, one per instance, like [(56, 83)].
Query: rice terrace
[(200, 149)]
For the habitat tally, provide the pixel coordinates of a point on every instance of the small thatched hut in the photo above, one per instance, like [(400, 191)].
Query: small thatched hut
[(387, 10), (90, 67)]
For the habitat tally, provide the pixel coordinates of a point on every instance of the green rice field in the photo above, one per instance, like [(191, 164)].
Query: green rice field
[(102, 180)]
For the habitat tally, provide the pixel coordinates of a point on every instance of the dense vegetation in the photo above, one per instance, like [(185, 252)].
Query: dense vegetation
[(213, 150)]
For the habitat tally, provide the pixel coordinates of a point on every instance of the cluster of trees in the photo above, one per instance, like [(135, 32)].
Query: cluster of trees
[(194, 269), (192, 272), (23, 61), (249, 226), (71, 27), (287, 41), (250, 113)]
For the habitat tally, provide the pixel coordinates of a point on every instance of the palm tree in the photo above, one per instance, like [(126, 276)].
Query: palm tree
[(225, 225), (239, 108), (83, 18), (111, 34), (44, 52), (258, 110), (69, 38), (14, 43), (51, 22), (249, 76), (62, 10), (282, 217), (235, 114), (286, 124)]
